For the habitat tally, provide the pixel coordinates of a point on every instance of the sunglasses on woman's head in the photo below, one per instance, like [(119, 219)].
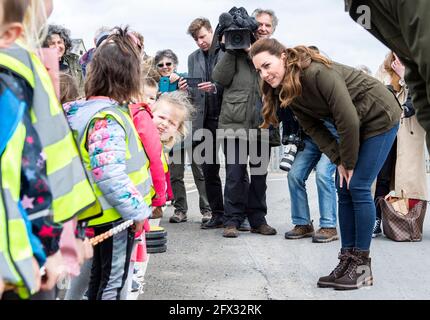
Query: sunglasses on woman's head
[(167, 64)]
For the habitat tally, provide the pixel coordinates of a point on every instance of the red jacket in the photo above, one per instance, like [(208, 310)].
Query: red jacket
[(148, 133)]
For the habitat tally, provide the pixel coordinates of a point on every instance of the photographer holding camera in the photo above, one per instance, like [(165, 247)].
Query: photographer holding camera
[(243, 196), (303, 155)]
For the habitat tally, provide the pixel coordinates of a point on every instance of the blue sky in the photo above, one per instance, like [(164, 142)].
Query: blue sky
[(164, 23)]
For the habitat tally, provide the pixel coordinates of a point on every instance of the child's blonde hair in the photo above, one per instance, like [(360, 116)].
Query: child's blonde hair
[(34, 23), (182, 103), (148, 70), (149, 82)]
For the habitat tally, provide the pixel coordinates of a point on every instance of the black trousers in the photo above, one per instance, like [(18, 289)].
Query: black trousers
[(177, 173), (110, 264), (244, 195), (211, 173), (385, 176)]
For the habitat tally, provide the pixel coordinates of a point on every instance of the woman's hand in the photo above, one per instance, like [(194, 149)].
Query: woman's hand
[(344, 175), (174, 77), (398, 67), (183, 85)]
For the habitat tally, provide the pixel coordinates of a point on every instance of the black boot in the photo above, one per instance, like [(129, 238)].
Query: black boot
[(359, 273), (329, 281), (214, 223)]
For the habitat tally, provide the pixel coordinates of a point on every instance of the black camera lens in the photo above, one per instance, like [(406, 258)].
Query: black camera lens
[(236, 39)]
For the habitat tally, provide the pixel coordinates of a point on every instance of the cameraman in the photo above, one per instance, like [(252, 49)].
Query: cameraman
[(308, 158), (243, 196)]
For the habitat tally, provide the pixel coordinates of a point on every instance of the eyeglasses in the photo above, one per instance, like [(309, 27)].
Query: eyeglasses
[(167, 64)]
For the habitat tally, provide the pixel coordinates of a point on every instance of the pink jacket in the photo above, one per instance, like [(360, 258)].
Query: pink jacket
[(148, 133)]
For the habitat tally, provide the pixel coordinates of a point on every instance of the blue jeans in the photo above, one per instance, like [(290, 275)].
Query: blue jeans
[(302, 166), (357, 213)]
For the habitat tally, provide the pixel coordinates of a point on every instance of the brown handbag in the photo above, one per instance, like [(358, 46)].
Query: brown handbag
[(398, 226)]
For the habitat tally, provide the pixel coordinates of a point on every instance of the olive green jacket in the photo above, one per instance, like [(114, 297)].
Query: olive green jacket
[(358, 105), (237, 74)]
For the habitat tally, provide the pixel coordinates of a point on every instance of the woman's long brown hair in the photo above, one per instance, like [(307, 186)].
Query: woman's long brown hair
[(297, 59)]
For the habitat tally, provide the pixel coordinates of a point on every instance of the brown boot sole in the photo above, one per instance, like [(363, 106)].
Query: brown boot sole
[(230, 235), (307, 235), (205, 227), (368, 282), (325, 240), (264, 233)]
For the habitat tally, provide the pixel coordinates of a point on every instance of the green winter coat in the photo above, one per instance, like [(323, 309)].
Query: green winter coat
[(358, 105), (237, 74)]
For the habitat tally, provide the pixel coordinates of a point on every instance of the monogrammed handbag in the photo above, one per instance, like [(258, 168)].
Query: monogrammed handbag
[(399, 226)]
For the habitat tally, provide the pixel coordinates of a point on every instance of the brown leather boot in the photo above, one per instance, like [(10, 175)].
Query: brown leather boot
[(329, 281), (358, 274), (265, 229), (300, 232), (230, 232)]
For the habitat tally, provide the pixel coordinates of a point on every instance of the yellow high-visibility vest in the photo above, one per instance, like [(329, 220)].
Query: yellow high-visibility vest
[(16, 265), (137, 163), (71, 191)]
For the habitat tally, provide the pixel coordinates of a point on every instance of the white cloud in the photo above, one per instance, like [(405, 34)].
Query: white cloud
[(164, 23)]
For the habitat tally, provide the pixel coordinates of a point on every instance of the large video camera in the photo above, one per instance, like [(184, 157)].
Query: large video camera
[(238, 28)]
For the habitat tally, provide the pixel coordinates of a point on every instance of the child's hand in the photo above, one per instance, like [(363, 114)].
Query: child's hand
[(88, 249), (1, 287), (174, 77), (54, 269), (85, 250), (37, 275), (157, 212), (138, 226)]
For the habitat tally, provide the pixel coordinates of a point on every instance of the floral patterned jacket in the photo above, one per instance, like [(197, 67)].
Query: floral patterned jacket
[(106, 145)]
